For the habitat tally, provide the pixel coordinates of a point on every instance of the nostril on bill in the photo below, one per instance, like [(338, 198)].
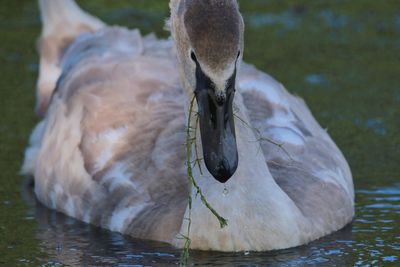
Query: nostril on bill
[(220, 99)]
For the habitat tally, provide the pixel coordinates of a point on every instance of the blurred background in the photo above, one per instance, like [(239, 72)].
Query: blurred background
[(342, 57)]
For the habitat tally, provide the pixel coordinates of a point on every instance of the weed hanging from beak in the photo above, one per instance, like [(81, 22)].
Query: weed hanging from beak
[(190, 140)]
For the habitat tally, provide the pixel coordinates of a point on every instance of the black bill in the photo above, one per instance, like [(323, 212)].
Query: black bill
[(217, 127)]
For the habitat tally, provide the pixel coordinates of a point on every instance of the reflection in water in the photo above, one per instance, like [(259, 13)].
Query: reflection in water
[(70, 242), (73, 243), (374, 226)]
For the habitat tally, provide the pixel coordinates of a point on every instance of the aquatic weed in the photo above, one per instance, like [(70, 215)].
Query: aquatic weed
[(190, 140)]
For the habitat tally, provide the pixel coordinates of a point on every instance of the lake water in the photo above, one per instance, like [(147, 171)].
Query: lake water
[(342, 57)]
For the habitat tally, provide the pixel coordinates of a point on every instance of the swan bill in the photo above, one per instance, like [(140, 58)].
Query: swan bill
[(217, 126)]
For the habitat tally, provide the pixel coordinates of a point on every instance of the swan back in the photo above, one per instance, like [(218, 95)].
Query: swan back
[(63, 21), (111, 148), (114, 134)]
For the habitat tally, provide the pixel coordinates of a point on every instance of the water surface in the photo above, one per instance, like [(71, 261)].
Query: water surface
[(342, 57)]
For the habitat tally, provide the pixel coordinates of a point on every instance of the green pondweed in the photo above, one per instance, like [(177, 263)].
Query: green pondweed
[(264, 139), (190, 140), (260, 138)]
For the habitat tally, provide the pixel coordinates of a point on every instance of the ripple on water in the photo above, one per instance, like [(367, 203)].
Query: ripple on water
[(390, 258), (370, 239), (395, 190), (375, 224)]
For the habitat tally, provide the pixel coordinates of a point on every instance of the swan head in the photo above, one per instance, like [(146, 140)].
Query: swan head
[(208, 36)]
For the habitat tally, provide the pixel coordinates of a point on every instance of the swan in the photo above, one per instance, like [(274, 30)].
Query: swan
[(110, 149)]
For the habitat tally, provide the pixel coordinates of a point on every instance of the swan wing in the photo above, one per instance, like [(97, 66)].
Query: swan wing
[(110, 150), (300, 155)]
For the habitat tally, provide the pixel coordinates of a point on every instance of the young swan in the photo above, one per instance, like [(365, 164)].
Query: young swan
[(109, 150)]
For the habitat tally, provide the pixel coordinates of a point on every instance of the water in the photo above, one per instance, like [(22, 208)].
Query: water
[(342, 57)]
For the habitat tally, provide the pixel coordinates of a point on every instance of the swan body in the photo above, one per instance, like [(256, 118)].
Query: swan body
[(110, 148)]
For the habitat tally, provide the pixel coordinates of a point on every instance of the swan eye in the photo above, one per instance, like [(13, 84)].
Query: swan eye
[(193, 57)]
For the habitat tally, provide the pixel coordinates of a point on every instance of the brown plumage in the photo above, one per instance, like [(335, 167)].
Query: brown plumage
[(214, 29), (111, 148)]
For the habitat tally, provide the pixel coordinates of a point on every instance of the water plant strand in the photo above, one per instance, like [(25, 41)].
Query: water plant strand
[(261, 138), (192, 182)]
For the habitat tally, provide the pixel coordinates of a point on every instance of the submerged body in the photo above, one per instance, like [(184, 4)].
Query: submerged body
[(111, 151)]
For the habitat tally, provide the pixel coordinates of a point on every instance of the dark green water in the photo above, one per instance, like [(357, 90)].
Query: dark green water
[(342, 57)]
